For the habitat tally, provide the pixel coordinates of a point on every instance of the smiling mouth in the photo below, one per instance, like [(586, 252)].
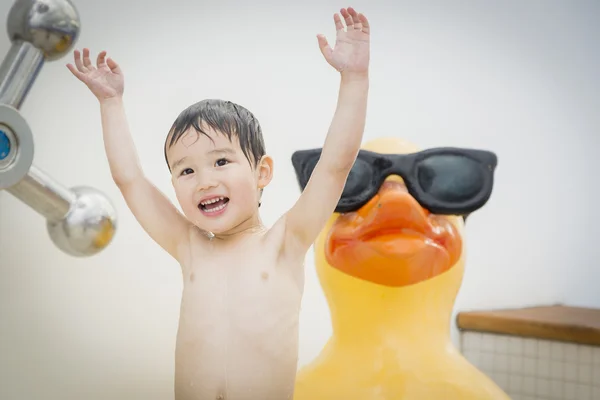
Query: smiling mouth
[(214, 204)]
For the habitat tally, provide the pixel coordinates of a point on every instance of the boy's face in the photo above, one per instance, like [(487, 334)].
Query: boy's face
[(217, 187)]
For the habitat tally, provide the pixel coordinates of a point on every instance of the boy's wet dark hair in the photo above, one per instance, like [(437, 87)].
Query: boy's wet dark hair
[(225, 117)]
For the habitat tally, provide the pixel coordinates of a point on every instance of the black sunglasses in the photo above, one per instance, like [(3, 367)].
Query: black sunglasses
[(444, 180)]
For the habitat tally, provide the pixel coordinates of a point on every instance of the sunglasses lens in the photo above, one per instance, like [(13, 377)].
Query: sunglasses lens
[(451, 178), (358, 179)]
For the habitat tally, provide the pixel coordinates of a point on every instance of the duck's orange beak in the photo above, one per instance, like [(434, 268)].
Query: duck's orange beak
[(392, 240)]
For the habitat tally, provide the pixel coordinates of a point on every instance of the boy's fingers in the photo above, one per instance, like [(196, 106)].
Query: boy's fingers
[(355, 20), (324, 46), (86, 58), (101, 59), (78, 63), (74, 71), (365, 23), (347, 18), (338, 22), (114, 67)]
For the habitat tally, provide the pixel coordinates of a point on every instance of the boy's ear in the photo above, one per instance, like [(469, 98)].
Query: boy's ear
[(265, 171)]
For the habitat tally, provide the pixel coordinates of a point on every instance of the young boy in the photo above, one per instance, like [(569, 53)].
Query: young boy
[(243, 283)]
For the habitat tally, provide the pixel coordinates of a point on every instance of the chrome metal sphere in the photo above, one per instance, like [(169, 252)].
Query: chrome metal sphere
[(89, 225), (52, 26)]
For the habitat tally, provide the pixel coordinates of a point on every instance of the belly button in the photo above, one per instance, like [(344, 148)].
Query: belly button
[(192, 277), (220, 397), (264, 276)]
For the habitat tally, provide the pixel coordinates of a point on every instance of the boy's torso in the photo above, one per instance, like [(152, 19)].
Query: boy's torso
[(238, 328)]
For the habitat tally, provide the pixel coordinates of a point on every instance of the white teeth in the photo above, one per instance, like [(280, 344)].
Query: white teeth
[(212, 200), (214, 209), (217, 208)]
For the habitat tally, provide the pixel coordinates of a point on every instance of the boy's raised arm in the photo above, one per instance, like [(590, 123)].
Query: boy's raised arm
[(317, 202), (152, 209)]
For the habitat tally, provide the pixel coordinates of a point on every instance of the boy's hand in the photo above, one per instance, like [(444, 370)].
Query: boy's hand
[(105, 80), (351, 52)]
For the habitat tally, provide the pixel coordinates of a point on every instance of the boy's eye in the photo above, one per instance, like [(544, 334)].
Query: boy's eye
[(187, 171), (221, 162)]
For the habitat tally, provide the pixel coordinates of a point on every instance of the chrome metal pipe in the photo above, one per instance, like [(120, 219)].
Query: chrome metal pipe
[(18, 72), (42, 193)]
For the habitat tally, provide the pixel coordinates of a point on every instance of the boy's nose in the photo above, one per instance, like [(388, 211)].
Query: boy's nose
[(205, 184)]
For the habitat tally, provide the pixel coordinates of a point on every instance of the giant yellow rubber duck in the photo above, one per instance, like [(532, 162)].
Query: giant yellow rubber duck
[(390, 271)]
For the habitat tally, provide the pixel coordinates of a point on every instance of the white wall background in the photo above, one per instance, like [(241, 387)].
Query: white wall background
[(520, 78)]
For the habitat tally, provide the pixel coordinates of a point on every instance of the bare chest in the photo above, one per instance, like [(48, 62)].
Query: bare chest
[(248, 304), (238, 325), (250, 277)]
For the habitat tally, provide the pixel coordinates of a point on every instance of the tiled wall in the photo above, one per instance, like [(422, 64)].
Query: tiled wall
[(535, 369)]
